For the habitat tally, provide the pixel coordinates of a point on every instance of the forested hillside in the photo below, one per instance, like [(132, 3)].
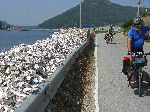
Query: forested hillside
[(94, 13)]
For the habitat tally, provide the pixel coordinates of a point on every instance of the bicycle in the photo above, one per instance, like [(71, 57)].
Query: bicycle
[(138, 63)]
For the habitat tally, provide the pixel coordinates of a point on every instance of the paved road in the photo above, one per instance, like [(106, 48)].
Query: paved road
[(114, 93)]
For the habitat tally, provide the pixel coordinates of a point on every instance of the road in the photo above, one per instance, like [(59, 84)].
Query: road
[(114, 95)]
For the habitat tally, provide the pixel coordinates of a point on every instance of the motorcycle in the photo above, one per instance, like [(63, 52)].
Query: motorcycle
[(109, 37)]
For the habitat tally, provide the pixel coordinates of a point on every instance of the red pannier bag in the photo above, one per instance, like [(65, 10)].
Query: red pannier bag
[(126, 65)]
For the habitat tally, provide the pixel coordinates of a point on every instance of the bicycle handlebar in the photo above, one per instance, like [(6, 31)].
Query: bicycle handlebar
[(138, 53)]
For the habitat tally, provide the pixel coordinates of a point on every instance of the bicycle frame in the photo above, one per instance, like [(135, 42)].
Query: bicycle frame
[(139, 62)]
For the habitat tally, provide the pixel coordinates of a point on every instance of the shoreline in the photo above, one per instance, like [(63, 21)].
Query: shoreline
[(24, 67)]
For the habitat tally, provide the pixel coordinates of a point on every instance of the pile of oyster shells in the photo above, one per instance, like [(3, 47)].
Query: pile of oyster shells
[(24, 67)]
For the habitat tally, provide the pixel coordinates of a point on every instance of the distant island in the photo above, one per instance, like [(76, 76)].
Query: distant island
[(8, 27), (4, 25)]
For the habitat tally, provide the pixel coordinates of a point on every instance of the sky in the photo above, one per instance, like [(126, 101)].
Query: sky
[(145, 3), (34, 12)]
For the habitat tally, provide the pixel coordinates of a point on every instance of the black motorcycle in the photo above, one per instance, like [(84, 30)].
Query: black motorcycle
[(109, 37)]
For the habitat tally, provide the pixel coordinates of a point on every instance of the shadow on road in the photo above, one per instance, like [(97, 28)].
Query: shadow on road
[(97, 45), (114, 43), (145, 92)]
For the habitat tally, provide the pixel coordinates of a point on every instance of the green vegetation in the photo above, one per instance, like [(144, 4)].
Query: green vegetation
[(146, 13), (148, 41), (129, 24), (94, 13)]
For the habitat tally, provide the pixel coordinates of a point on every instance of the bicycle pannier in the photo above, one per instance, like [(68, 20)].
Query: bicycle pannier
[(133, 79), (145, 80), (126, 65)]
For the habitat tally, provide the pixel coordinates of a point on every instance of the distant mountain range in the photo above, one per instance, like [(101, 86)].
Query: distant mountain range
[(94, 13)]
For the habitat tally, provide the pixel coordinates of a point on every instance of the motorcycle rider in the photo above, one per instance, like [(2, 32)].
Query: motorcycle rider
[(110, 32)]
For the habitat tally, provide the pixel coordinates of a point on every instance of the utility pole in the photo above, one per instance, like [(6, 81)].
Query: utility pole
[(146, 10), (80, 14), (138, 11)]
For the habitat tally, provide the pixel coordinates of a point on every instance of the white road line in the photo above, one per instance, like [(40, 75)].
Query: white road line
[(96, 79)]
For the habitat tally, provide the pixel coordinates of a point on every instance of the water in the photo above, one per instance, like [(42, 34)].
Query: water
[(10, 39)]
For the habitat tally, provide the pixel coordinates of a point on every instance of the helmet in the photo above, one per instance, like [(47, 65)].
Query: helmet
[(138, 23), (138, 20)]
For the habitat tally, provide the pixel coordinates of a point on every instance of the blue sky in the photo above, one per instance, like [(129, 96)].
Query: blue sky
[(34, 12), (145, 3)]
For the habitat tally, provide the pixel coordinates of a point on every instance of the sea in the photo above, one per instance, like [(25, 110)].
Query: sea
[(9, 39)]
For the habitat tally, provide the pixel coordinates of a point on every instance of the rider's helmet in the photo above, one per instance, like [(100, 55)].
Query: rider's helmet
[(138, 22)]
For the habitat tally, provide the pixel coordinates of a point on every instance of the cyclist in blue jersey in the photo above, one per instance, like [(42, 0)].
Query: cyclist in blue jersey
[(136, 36)]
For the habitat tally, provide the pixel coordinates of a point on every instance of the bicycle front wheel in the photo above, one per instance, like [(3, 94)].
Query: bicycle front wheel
[(139, 85)]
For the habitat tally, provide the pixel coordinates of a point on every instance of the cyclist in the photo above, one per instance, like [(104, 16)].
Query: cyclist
[(136, 36), (110, 32)]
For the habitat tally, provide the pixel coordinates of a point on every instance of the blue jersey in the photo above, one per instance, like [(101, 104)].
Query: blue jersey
[(138, 39)]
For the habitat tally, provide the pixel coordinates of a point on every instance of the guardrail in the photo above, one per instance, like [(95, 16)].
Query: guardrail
[(37, 101)]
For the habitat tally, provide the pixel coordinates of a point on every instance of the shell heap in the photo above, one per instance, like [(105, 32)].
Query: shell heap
[(24, 67)]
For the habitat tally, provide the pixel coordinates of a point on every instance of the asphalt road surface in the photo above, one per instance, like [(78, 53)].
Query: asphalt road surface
[(114, 93)]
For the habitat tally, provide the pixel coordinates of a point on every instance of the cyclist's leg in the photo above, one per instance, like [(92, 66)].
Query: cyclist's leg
[(132, 58), (110, 37)]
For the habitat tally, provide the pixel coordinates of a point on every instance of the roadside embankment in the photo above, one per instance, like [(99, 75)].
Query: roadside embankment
[(76, 92)]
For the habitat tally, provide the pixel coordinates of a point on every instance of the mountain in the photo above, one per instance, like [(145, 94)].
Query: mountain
[(95, 13)]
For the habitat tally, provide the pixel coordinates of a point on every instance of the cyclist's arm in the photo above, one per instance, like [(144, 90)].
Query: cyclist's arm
[(113, 30), (108, 31), (129, 43), (129, 40)]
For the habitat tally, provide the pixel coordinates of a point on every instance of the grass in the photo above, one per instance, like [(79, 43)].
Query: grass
[(148, 41)]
